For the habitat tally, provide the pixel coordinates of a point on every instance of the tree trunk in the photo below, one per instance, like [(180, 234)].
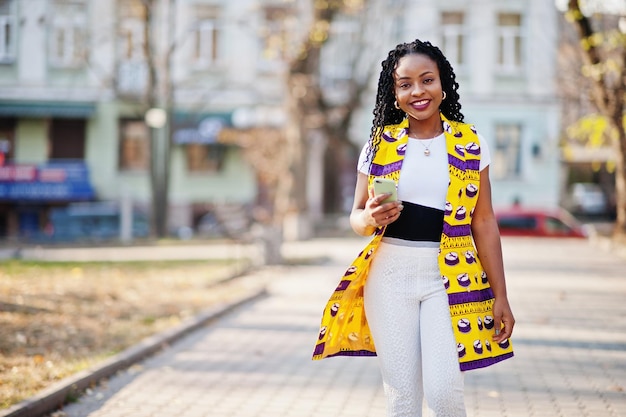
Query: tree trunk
[(159, 95), (620, 184), (609, 88)]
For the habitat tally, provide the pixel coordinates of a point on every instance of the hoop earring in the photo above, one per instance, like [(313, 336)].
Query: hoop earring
[(395, 104), (444, 96)]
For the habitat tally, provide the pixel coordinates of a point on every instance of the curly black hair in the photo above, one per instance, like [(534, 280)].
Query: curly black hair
[(385, 113)]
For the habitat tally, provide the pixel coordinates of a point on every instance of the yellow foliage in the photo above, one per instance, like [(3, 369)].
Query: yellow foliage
[(610, 166), (596, 166), (594, 130), (573, 15), (616, 39), (584, 43), (596, 39), (612, 65), (592, 71), (567, 152), (354, 4)]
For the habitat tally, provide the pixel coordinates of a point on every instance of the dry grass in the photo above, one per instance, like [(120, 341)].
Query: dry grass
[(59, 318)]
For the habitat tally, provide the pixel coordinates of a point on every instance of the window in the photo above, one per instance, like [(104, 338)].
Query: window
[(7, 31), (275, 33), (338, 53), (205, 158), (67, 138), (132, 40), (206, 36), (134, 145), (520, 222), (68, 33), (555, 226), (506, 156), (133, 70), (509, 42), (452, 37)]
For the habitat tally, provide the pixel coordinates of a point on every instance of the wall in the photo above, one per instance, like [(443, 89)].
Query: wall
[(31, 144)]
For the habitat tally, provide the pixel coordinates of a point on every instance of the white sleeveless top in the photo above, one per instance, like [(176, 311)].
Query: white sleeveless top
[(424, 179)]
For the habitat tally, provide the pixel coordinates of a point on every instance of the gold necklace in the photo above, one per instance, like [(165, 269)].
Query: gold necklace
[(426, 147), (430, 142)]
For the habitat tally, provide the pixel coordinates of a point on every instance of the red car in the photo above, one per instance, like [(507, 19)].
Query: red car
[(518, 221)]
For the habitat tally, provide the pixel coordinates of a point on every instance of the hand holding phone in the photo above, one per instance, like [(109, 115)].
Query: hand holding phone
[(384, 186)]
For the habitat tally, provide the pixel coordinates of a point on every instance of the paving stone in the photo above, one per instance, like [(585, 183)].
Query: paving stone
[(255, 362)]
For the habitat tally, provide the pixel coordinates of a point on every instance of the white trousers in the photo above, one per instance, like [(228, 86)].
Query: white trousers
[(407, 310)]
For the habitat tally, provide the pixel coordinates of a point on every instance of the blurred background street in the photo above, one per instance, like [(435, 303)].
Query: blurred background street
[(159, 156), (134, 120), (570, 340)]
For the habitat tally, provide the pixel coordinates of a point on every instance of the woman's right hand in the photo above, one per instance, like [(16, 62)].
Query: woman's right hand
[(377, 214)]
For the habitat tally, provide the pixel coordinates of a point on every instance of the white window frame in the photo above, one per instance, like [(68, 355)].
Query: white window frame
[(132, 27), (453, 38), (8, 34), (510, 44), (506, 155), (73, 29), (275, 45), (338, 52), (136, 132), (132, 77), (206, 49)]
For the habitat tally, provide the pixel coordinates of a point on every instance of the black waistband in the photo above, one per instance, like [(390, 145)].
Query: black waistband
[(417, 223)]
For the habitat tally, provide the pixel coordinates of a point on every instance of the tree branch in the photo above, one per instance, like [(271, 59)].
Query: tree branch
[(591, 54)]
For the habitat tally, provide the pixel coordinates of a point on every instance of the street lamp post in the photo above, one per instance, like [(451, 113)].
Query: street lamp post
[(158, 121)]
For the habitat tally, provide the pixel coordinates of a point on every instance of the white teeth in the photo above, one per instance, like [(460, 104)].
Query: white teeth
[(419, 103)]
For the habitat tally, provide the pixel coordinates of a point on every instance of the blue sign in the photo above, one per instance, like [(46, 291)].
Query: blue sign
[(55, 181), (199, 128)]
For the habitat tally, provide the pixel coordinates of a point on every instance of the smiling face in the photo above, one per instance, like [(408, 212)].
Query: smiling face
[(418, 91)]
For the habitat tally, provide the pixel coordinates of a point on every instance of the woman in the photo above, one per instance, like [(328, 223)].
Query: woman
[(432, 279)]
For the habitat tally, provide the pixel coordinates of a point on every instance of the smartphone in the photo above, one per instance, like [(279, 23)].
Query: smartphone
[(385, 185)]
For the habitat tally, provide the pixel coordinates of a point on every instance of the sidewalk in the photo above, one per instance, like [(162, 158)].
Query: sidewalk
[(190, 251), (569, 298)]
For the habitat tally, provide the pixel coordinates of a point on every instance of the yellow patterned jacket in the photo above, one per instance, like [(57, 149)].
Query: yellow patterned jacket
[(344, 330)]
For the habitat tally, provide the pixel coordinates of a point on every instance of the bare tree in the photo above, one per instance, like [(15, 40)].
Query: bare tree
[(280, 157), (159, 93), (314, 107), (144, 79), (305, 100), (605, 66)]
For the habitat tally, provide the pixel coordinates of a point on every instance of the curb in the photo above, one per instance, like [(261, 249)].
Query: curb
[(54, 397)]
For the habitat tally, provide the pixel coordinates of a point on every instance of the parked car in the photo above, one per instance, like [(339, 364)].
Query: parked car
[(585, 198), (520, 221)]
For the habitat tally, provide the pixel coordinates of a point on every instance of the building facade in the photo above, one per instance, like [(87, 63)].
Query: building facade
[(504, 54), (74, 78), (75, 84), (505, 57)]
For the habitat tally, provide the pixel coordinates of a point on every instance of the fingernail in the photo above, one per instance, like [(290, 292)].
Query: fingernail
[(497, 332)]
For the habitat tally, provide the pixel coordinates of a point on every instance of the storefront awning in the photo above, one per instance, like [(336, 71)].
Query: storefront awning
[(68, 110), (199, 128)]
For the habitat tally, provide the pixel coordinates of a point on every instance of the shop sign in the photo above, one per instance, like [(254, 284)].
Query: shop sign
[(65, 181), (204, 133)]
